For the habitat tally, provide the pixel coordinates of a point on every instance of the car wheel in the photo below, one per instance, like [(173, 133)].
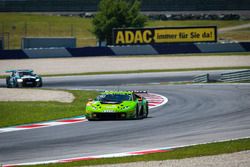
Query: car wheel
[(139, 113), (146, 111), (90, 119), (40, 84), (8, 82), (15, 84), (142, 112)]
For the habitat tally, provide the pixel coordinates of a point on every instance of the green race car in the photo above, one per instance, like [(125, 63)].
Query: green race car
[(117, 105)]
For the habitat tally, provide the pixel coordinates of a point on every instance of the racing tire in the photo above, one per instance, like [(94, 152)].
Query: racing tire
[(90, 119), (8, 82), (146, 111), (16, 85), (40, 84), (139, 113)]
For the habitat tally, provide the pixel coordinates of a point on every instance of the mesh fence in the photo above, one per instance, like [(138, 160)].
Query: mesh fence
[(4, 40), (14, 32)]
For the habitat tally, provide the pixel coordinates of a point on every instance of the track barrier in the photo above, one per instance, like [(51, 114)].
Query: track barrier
[(126, 50), (236, 76), (201, 78)]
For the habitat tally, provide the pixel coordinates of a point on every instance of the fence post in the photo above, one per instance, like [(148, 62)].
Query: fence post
[(72, 30), (49, 28), (25, 29)]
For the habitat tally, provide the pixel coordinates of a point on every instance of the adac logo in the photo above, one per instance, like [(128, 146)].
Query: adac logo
[(134, 37)]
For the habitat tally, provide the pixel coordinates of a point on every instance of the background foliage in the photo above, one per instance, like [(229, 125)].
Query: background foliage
[(116, 14)]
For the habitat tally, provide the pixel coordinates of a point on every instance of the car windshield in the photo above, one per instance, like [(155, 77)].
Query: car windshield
[(25, 73), (113, 98)]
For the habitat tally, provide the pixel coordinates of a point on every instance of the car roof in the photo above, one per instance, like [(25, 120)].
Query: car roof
[(24, 70), (20, 70)]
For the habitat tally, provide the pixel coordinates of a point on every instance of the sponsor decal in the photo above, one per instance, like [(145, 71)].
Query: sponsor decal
[(138, 36)]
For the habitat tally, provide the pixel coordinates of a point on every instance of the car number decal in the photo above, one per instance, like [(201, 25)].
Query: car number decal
[(108, 111)]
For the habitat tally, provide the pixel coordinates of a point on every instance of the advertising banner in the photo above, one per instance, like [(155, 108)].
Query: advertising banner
[(140, 36)]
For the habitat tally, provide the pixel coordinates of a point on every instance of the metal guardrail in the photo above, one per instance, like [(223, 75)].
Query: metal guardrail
[(236, 76), (201, 78)]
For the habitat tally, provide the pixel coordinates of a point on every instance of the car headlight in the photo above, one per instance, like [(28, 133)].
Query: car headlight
[(19, 80), (37, 79)]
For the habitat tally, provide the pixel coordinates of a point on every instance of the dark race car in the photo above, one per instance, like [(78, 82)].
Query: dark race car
[(23, 78)]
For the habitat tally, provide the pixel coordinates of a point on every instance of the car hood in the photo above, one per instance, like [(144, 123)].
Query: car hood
[(114, 107), (30, 77)]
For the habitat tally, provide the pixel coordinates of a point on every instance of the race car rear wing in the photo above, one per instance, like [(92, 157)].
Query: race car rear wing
[(134, 91), (139, 91), (9, 71), (22, 70), (138, 94)]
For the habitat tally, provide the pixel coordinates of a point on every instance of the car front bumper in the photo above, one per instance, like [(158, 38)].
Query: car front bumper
[(29, 83), (116, 115)]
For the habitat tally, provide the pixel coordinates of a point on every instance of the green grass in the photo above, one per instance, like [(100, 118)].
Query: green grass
[(218, 23), (236, 35), (180, 153), (34, 25), (16, 113), (239, 34)]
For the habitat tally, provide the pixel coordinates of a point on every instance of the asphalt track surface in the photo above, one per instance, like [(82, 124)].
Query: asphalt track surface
[(74, 82), (125, 79), (194, 114)]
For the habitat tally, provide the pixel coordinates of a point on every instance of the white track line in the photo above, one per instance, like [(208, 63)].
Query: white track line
[(125, 154), (165, 100)]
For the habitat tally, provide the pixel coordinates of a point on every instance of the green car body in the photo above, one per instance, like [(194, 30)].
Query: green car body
[(117, 105)]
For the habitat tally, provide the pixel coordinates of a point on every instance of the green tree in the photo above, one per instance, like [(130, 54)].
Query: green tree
[(116, 14)]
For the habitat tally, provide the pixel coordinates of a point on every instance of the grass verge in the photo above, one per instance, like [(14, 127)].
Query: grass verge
[(16, 113), (179, 153)]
